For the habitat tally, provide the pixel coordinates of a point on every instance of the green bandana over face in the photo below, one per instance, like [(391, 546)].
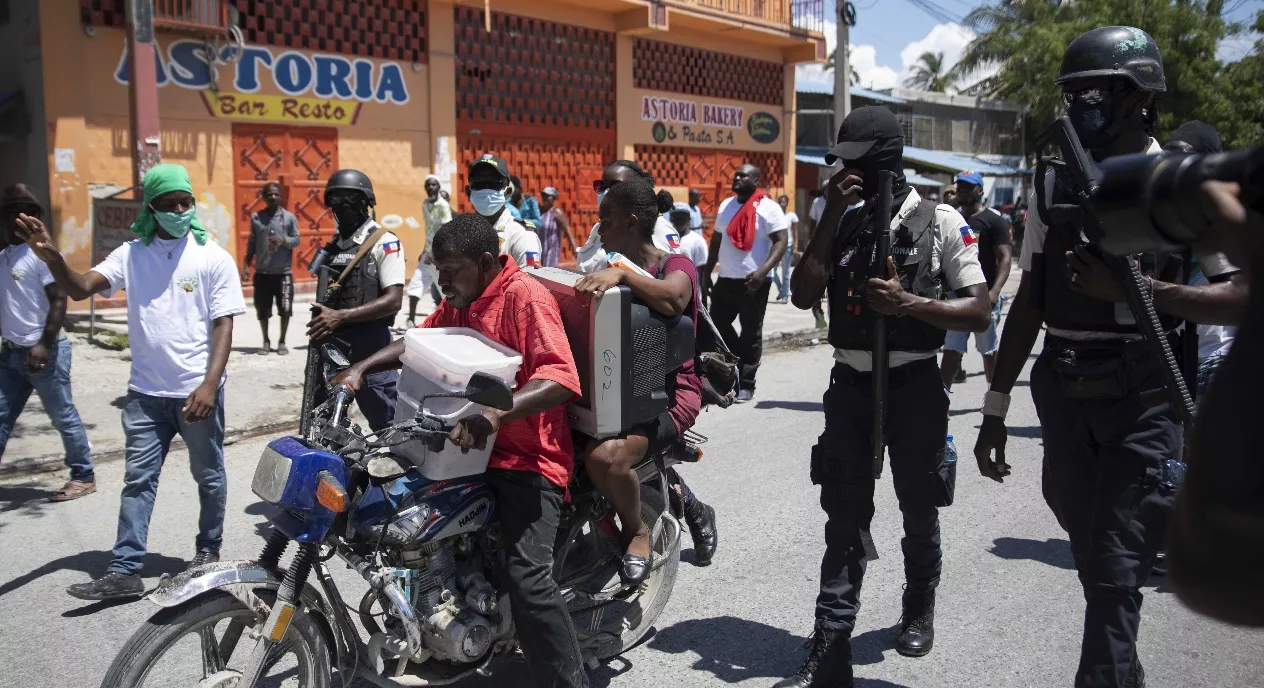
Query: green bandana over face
[(159, 180)]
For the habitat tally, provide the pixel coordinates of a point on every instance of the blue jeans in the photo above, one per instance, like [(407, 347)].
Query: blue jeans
[(150, 423), (781, 274), (53, 387)]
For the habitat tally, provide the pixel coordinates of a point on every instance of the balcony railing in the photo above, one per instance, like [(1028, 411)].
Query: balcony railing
[(192, 15), (808, 15)]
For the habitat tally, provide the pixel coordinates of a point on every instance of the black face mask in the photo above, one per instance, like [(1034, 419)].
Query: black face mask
[(1093, 124), (886, 155), (350, 217)]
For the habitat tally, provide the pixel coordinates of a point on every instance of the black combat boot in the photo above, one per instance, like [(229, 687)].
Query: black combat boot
[(828, 664), (917, 625)]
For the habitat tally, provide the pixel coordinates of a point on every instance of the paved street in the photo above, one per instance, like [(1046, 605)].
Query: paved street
[(1009, 609)]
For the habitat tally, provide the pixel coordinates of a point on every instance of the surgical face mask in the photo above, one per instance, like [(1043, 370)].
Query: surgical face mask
[(1092, 123), (488, 202), (175, 224)]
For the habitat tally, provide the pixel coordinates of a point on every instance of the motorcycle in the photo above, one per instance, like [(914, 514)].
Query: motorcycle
[(432, 614)]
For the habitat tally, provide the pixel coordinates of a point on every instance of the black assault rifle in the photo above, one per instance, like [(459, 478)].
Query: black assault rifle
[(1078, 177), (881, 361)]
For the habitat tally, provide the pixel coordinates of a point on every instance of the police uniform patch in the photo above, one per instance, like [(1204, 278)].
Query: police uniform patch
[(390, 247), (968, 235)]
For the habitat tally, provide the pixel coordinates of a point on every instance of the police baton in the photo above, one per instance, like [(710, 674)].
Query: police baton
[(882, 218)]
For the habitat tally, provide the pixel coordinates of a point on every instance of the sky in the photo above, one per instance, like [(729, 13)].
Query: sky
[(890, 35)]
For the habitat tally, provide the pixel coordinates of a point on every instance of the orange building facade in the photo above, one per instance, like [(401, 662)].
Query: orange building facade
[(405, 88)]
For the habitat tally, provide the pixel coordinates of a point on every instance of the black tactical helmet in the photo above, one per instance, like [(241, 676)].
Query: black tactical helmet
[(1118, 51), (350, 179)]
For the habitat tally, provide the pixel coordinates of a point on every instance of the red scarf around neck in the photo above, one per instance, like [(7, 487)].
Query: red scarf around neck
[(741, 231)]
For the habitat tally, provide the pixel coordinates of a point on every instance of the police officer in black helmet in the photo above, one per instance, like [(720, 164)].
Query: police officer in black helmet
[(932, 252), (1106, 445), (356, 313)]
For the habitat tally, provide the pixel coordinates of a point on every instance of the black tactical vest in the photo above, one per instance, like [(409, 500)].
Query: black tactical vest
[(1068, 310), (362, 285), (851, 320)]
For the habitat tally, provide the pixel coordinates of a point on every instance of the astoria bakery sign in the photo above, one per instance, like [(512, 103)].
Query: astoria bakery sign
[(671, 110)]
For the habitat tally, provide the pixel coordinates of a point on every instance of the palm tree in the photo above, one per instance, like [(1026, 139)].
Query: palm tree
[(854, 77), (929, 74)]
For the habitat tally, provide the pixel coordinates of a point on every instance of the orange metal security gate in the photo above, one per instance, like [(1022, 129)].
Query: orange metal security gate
[(708, 170), (301, 160)]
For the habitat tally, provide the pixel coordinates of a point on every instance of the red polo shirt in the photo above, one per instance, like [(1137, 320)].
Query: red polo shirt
[(519, 312)]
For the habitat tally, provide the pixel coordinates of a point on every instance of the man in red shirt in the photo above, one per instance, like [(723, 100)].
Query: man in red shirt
[(532, 457)]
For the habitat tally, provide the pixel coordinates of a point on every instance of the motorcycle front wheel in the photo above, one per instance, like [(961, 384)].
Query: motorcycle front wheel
[(206, 642)]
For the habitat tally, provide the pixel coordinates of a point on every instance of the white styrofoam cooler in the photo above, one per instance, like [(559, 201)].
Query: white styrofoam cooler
[(438, 360)]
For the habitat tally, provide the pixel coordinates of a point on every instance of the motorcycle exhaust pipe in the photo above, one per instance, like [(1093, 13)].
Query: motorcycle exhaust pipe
[(386, 585)]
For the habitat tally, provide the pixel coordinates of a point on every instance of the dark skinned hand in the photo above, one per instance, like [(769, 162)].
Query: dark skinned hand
[(992, 436), (887, 296), (756, 280), (1090, 276), (35, 234), (37, 358), (352, 377), (847, 190), (594, 285), (472, 432), (324, 321), (201, 402)]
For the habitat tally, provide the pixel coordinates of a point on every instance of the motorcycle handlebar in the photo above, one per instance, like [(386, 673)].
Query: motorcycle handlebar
[(342, 395)]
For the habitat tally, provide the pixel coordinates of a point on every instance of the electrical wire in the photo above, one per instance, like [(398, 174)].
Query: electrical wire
[(936, 12)]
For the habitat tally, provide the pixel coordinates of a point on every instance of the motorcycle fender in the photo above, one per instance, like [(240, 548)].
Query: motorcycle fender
[(240, 579)]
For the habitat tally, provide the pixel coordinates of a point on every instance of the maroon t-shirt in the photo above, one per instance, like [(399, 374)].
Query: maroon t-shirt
[(685, 389)]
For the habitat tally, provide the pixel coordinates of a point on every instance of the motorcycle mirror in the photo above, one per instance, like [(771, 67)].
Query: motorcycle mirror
[(490, 391), (334, 355)]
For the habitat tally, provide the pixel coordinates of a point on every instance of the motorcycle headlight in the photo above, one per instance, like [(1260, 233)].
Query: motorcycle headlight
[(271, 475)]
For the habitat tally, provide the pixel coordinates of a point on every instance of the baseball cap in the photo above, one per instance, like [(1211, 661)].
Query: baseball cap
[(548, 191), (861, 129), (494, 162), (970, 177)]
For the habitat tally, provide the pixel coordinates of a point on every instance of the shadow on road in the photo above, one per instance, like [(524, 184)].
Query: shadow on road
[(1053, 552), (963, 412), (14, 497), (93, 564), (264, 527), (736, 650), (809, 406)]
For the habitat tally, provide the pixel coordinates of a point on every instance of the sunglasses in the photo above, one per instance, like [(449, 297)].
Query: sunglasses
[(22, 209), (601, 185)]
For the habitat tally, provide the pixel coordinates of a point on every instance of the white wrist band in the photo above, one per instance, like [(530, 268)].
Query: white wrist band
[(995, 404)]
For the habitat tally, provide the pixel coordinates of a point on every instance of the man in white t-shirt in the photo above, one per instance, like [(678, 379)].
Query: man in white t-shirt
[(781, 275), (436, 213), (749, 240), (34, 353), (592, 255), (183, 291)]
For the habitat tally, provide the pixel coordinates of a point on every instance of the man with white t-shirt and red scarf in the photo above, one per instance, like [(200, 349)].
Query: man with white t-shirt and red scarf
[(183, 291), (749, 239)]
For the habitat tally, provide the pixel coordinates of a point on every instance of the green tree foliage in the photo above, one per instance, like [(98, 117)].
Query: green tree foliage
[(853, 77), (1244, 90), (928, 74), (1026, 39)]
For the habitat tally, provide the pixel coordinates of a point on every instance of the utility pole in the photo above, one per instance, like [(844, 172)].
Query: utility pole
[(142, 88), (842, 69)]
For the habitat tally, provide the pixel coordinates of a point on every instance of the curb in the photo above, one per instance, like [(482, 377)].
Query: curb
[(52, 463)]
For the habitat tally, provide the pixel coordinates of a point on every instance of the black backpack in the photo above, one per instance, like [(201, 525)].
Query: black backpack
[(717, 367)]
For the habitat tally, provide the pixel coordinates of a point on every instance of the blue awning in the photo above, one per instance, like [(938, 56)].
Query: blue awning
[(919, 180), (958, 162), (827, 88)]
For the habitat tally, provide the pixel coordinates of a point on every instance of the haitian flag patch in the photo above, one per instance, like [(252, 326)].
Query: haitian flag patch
[(968, 235), (390, 247), (673, 240), (532, 258)]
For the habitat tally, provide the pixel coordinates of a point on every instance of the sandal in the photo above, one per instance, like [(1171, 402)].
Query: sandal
[(73, 489), (283, 350)]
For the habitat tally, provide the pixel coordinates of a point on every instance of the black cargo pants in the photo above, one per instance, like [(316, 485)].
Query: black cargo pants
[(842, 464), (530, 512), (1102, 466)]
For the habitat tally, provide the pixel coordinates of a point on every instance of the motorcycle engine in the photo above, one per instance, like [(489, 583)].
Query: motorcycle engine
[(460, 611)]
